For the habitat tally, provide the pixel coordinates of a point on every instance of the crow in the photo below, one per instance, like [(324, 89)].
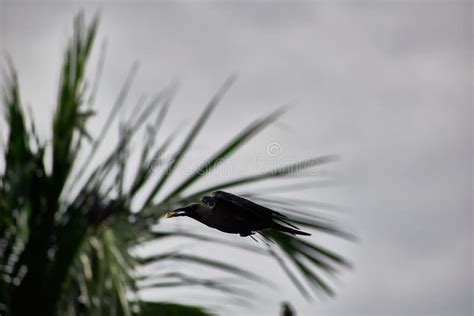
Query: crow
[(233, 214)]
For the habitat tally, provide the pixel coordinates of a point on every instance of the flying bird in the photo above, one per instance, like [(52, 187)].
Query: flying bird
[(233, 214)]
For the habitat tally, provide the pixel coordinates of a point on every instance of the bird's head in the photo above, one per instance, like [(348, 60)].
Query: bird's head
[(189, 210)]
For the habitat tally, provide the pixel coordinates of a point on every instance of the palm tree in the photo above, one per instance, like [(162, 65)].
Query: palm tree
[(69, 229)]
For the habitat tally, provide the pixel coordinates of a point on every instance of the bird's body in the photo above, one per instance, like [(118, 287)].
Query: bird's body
[(233, 214)]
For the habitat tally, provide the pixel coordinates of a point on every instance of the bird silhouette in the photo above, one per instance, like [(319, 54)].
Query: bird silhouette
[(233, 214)]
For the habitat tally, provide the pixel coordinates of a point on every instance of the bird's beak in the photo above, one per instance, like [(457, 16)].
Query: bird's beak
[(170, 214), (175, 213)]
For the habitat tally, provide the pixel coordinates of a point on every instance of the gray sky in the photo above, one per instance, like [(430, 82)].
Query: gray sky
[(386, 85)]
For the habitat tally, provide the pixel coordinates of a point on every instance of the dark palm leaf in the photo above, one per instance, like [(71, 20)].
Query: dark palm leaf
[(68, 233)]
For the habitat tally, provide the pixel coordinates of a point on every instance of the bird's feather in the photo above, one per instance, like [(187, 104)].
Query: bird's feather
[(244, 203), (230, 203)]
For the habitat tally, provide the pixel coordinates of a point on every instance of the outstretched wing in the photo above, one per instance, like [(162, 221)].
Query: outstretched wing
[(251, 207)]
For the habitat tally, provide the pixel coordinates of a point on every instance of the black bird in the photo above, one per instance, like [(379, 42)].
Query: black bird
[(233, 214)]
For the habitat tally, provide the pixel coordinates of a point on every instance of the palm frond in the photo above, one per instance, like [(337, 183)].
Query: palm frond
[(244, 136), (68, 233), (189, 139)]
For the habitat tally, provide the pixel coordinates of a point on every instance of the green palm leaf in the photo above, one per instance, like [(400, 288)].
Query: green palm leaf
[(190, 138), (69, 236), (226, 151)]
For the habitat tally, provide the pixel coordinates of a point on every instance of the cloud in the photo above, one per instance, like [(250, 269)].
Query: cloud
[(387, 85)]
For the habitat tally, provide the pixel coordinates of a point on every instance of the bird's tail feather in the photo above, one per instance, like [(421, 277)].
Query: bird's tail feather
[(289, 230)]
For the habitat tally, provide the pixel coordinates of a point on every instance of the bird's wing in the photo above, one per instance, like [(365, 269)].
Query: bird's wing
[(230, 217), (243, 209), (247, 205)]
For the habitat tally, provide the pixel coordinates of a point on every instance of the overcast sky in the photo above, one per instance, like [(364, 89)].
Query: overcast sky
[(386, 85)]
